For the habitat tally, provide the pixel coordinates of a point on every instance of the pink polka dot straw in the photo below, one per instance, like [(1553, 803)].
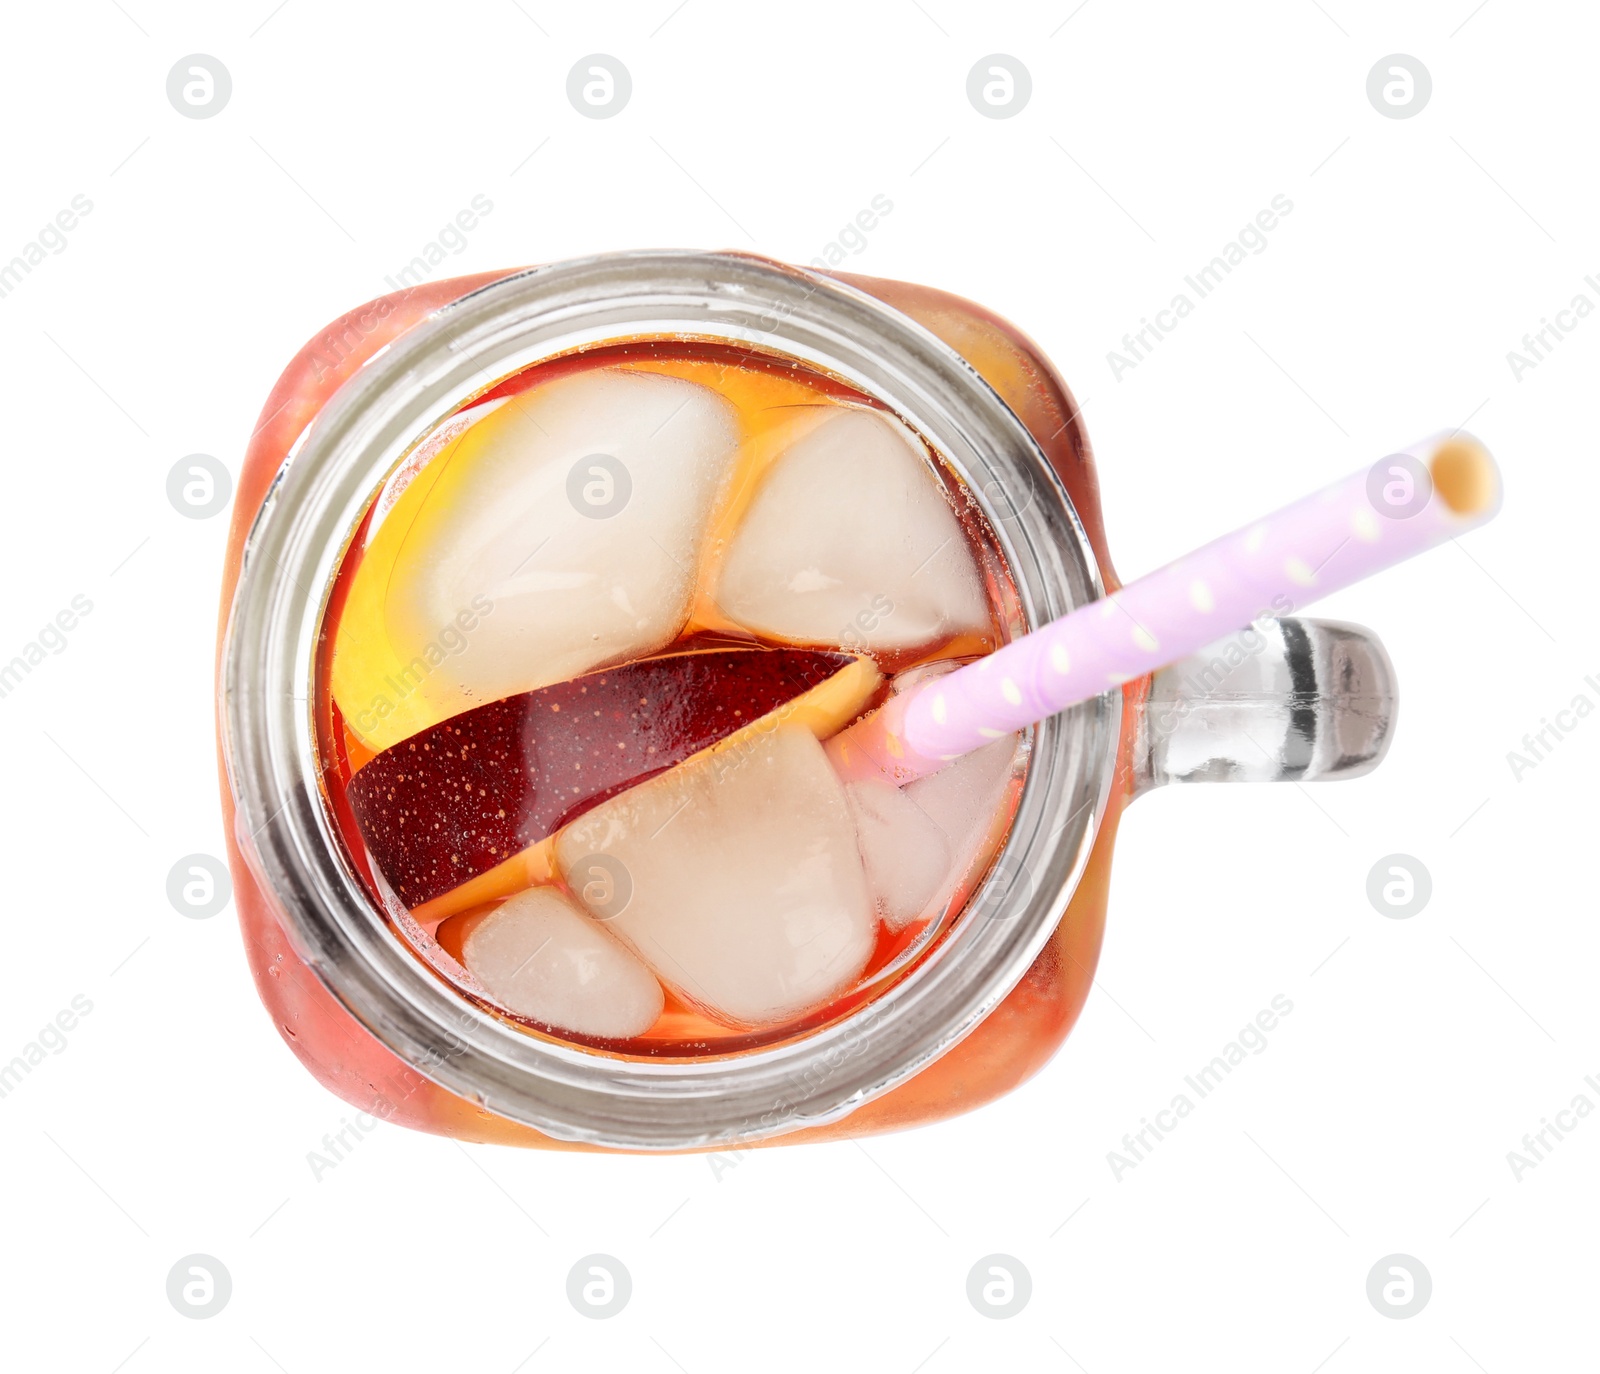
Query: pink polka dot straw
[(1371, 520)]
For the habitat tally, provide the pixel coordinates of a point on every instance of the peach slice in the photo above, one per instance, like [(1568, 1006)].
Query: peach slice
[(458, 814)]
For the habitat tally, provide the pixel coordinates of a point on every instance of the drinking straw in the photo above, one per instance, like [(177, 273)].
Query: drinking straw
[(1377, 517)]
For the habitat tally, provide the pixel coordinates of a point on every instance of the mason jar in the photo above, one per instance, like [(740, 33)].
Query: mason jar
[(990, 1002)]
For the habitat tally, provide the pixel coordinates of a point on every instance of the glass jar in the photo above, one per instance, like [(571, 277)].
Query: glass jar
[(991, 1002)]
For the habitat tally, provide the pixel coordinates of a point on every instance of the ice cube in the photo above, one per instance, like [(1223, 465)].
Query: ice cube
[(442, 438), (965, 799), (906, 855), (566, 526), (744, 886), (849, 540), (540, 957), (923, 673)]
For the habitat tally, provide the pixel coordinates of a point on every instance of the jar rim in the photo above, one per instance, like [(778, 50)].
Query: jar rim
[(292, 556)]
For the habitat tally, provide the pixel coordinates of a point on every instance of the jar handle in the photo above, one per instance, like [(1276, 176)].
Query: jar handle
[(1286, 700)]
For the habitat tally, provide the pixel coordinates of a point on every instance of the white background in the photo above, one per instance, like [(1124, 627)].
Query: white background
[(1418, 1053)]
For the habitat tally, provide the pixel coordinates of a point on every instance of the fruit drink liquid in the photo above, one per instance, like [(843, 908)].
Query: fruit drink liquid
[(572, 675)]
